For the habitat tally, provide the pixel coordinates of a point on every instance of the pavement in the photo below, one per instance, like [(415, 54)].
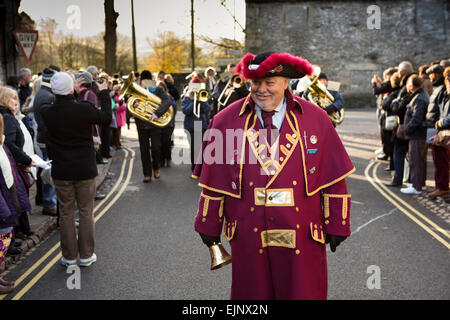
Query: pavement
[(43, 225)]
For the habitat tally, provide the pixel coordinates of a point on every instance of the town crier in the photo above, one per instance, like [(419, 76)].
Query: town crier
[(273, 171)]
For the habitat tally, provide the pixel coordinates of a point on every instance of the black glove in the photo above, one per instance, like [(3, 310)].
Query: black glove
[(209, 240), (331, 109), (334, 241)]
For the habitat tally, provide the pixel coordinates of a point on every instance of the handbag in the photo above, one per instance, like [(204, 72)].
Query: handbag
[(390, 123), (442, 138), (400, 134), (26, 175)]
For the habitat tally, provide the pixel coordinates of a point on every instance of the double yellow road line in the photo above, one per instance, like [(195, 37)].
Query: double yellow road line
[(129, 157), (422, 221)]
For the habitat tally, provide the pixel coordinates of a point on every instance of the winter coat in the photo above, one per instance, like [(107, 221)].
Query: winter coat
[(187, 105), (9, 214), (433, 111), (43, 96), (14, 138), (69, 137), (415, 116)]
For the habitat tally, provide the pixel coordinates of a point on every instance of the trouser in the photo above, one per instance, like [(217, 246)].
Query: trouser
[(74, 195), (48, 191), (150, 161), (400, 152), (388, 145), (166, 144), (418, 163), (441, 158), (195, 148), (105, 136), (116, 134)]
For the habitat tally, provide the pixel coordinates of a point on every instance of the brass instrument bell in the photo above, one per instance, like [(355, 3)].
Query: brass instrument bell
[(219, 256)]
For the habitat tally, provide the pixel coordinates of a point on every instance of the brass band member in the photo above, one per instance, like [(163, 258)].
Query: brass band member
[(147, 131)]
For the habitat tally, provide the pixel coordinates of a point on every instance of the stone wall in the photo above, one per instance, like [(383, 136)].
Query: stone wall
[(335, 35)]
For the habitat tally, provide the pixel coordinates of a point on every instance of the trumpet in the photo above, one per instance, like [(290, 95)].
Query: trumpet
[(203, 96), (235, 83)]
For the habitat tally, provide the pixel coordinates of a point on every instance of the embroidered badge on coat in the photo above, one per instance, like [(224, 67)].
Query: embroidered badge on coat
[(313, 139)]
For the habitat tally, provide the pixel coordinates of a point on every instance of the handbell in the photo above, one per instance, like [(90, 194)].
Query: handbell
[(219, 256)]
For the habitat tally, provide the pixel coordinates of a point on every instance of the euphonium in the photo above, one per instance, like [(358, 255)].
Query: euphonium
[(143, 104), (320, 96)]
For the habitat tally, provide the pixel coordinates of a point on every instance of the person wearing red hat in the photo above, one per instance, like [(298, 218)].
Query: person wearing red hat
[(277, 187)]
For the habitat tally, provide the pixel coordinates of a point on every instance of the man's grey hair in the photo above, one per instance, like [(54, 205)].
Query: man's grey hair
[(405, 66), (24, 72)]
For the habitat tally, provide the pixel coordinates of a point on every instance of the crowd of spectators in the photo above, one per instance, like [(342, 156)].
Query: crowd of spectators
[(413, 114)]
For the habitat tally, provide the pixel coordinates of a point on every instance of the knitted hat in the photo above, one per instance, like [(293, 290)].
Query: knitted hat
[(47, 74), (146, 75), (62, 83), (272, 64), (86, 76), (323, 75), (435, 68)]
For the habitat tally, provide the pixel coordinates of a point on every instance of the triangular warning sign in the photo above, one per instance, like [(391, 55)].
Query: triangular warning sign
[(27, 40)]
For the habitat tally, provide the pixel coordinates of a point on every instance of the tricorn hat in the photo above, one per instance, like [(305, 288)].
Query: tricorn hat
[(272, 64)]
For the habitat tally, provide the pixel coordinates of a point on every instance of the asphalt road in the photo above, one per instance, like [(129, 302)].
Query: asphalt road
[(147, 248)]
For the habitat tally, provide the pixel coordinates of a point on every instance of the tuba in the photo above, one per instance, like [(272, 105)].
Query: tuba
[(319, 95), (143, 104)]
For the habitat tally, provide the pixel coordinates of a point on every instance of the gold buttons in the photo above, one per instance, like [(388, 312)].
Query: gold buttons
[(272, 172), (343, 223), (294, 183), (297, 209), (251, 184), (255, 230), (261, 251), (297, 251), (288, 145), (294, 136), (298, 226), (281, 159), (327, 221), (204, 220), (252, 209)]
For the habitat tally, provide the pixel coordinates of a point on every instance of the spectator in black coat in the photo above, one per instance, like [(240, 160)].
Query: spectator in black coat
[(416, 133), (71, 148)]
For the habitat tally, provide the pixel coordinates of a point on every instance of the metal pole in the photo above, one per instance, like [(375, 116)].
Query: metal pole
[(133, 31), (192, 37)]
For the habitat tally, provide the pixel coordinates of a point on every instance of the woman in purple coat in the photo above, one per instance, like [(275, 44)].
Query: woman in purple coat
[(13, 201)]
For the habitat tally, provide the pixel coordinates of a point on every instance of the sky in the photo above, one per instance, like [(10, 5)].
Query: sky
[(151, 17)]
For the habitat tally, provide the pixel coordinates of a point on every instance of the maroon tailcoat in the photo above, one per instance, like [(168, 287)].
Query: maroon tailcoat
[(275, 205)]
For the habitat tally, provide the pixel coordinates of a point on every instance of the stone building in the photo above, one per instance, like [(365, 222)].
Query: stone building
[(346, 39)]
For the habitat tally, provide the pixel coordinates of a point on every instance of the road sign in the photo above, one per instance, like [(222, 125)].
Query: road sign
[(26, 40)]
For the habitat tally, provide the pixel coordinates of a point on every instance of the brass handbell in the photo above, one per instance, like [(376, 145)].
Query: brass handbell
[(219, 256)]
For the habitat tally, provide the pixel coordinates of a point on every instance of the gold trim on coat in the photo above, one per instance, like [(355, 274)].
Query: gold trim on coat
[(278, 238)]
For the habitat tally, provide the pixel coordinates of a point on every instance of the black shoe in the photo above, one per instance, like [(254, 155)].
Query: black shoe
[(100, 196), (20, 235), (13, 251), (102, 162), (51, 212), (385, 157), (393, 184)]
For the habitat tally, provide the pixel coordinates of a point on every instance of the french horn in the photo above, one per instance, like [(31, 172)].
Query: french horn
[(143, 104)]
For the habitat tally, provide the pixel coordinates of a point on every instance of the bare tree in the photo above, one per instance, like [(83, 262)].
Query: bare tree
[(110, 37)]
